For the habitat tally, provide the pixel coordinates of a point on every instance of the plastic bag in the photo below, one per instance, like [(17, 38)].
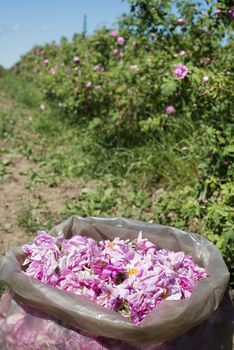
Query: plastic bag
[(172, 325)]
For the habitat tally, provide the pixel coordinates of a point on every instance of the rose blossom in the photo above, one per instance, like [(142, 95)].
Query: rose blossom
[(121, 40), (181, 21), (170, 110), (42, 257), (217, 11), (98, 68), (114, 33), (206, 61), (76, 59), (116, 52), (205, 79), (39, 52), (53, 70), (230, 13), (88, 84), (180, 71)]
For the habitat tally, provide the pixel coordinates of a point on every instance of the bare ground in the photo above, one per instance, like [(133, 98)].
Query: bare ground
[(14, 193)]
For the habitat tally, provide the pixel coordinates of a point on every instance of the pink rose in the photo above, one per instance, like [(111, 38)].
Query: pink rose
[(53, 70), (98, 68), (205, 79), (116, 52), (180, 71), (114, 33), (170, 110), (76, 59), (230, 13), (181, 22), (217, 11), (88, 84), (121, 40)]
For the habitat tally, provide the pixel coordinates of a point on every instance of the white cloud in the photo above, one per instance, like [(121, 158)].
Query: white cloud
[(16, 27), (1, 29)]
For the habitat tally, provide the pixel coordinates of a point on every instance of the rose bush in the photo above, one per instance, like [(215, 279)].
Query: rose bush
[(173, 54)]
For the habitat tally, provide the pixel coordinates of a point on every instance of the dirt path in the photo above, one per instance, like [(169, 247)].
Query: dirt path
[(22, 207), (10, 191), (15, 196)]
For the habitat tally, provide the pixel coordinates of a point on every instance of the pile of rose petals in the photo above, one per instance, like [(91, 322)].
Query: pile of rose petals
[(131, 277)]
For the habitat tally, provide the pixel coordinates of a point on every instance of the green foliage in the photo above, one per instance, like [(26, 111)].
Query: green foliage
[(4, 164), (212, 216), (24, 94), (206, 208), (32, 219), (129, 95), (6, 125), (2, 288), (2, 71), (108, 198)]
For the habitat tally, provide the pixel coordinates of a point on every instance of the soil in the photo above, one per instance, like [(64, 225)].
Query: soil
[(14, 193)]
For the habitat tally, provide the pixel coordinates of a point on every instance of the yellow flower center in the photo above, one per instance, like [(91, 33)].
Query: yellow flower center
[(111, 244), (132, 271)]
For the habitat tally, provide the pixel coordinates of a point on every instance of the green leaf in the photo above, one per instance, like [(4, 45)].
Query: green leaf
[(228, 149), (168, 88), (229, 234)]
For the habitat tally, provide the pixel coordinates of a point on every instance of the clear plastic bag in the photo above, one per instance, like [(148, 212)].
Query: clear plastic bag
[(205, 321)]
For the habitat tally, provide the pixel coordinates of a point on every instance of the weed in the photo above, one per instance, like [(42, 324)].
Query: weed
[(21, 91), (6, 125), (32, 218), (2, 288), (111, 198)]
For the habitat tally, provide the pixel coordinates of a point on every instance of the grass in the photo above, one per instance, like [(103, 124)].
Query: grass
[(69, 151), (108, 198), (31, 218), (21, 91), (2, 288)]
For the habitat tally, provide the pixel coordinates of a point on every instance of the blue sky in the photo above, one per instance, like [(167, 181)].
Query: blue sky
[(24, 23)]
